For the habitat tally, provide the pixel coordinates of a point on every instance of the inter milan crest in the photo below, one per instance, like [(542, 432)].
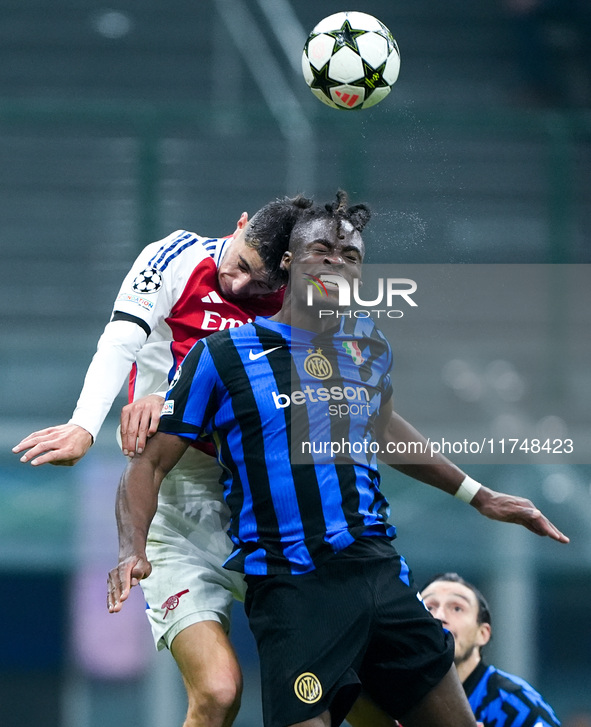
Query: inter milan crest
[(308, 688), (317, 365), (148, 281)]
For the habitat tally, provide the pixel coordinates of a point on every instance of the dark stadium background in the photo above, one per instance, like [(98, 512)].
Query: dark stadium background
[(120, 123)]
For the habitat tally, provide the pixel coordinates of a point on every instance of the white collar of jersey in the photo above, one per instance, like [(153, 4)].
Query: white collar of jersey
[(221, 249)]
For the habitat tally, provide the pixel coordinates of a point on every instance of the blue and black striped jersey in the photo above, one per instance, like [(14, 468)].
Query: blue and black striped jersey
[(292, 414), (499, 699)]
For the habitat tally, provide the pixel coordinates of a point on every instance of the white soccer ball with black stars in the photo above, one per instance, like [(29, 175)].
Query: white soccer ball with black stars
[(148, 281), (350, 60)]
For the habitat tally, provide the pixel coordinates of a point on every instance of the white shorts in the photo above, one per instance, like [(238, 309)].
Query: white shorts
[(187, 545)]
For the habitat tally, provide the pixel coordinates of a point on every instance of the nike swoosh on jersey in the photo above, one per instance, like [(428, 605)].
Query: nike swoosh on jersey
[(253, 356)]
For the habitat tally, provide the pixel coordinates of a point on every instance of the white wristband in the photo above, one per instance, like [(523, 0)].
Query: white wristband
[(467, 489)]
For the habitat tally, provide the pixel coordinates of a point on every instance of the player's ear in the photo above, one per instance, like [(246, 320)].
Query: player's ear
[(484, 634), (242, 222), (286, 260)]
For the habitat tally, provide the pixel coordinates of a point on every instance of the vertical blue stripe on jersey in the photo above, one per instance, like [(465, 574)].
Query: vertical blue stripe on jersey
[(331, 500), (247, 524), (379, 379), (332, 508), (199, 406), (360, 331), (330, 497), (245, 461), (281, 484), (404, 574), (232, 453), (370, 501), (479, 692), (379, 506), (370, 504)]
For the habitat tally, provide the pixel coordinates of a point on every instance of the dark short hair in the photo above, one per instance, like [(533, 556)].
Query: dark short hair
[(269, 232), (483, 616)]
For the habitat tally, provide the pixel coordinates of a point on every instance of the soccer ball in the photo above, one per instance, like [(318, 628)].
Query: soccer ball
[(350, 61)]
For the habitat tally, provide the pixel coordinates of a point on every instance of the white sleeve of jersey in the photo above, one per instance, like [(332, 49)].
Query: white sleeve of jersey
[(157, 278), (146, 297), (116, 352)]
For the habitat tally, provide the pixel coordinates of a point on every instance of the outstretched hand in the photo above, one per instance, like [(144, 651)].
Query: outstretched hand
[(139, 421), (128, 573), (513, 509), (63, 445)]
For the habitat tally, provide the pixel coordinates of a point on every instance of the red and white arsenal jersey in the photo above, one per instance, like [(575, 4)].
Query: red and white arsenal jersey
[(169, 299), (172, 292)]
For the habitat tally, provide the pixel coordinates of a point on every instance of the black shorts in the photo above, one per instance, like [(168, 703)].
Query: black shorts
[(354, 621)]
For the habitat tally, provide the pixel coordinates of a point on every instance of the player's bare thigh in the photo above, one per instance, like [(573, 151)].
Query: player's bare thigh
[(205, 650), (205, 655)]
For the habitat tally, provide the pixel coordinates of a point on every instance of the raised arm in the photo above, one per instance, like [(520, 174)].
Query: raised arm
[(134, 317), (439, 472), (137, 499), (66, 444)]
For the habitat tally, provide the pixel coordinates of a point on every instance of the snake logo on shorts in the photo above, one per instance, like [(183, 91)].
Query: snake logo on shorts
[(308, 688)]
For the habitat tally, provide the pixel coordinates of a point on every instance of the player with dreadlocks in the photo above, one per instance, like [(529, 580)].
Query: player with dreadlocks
[(330, 602)]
